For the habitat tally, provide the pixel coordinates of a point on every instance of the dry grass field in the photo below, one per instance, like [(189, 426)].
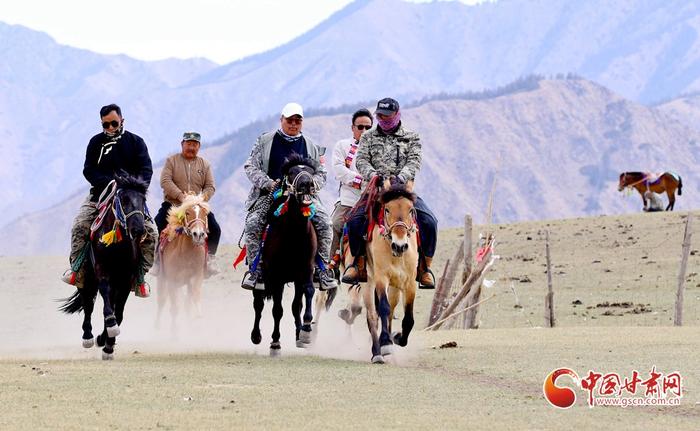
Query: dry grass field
[(205, 374)]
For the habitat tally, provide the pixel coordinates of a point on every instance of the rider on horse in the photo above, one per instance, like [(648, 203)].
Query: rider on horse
[(394, 153), (263, 169), (109, 153), (187, 173)]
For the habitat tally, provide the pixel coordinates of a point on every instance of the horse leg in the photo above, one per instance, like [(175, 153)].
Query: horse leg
[(319, 303), (196, 294), (401, 338), (305, 334), (369, 296), (258, 305), (162, 297), (277, 312), (383, 310), (110, 320), (296, 312), (671, 193), (393, 295), (88, 305)]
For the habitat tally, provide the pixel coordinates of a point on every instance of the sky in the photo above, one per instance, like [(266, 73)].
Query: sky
[(220, 30)]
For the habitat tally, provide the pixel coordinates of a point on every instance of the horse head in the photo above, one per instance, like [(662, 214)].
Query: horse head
[(298, 172), (130, 205), (192, 216), (397, 217), (623, 182)]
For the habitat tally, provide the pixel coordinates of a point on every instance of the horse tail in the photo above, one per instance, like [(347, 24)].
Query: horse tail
[(73, 304), (680, 185)]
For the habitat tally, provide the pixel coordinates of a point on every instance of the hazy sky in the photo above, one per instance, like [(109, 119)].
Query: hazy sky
[(221, 30)]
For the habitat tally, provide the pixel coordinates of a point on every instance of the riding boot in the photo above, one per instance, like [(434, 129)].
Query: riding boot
[(212, 268), (426, 278), (326, 278), (353, 273)]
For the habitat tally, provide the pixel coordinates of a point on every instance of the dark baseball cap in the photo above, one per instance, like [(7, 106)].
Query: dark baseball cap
[(387, 106), (192, 136)]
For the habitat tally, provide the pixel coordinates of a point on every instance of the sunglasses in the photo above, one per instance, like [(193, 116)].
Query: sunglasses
[(296, 121), (362, 127), (113, 123)]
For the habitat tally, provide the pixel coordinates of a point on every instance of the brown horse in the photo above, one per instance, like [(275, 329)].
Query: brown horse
[(643, 181), (183, 255), (392, 262)]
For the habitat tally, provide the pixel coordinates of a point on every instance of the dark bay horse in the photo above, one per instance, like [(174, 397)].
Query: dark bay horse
[(115, 258), (643, 182), (288, 251)]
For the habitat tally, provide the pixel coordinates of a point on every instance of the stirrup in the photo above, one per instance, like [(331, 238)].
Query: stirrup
[(348, 280), (426, 286)]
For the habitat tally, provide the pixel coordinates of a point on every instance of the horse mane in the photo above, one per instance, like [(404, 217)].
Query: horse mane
[(176, 214), (297, 159), (397, 191), (131, 182), (633, 173)]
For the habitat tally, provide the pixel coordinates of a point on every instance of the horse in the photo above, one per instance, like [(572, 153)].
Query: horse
[(183, 254), (115, 258), (288, 251), (643, 181), (392, 265)]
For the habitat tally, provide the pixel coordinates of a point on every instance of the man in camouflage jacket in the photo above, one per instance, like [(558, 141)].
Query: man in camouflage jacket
[(263, 170), (392, 151)]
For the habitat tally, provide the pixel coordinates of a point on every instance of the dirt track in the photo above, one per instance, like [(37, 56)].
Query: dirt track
[(494, 377)]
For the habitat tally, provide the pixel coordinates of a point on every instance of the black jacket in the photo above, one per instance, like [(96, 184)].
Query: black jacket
[(102, 162)]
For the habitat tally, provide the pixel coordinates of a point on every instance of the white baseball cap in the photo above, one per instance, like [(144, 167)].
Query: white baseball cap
[(291, 109)]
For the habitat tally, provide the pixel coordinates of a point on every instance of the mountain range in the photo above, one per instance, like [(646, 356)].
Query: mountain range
[(554, 147), (50, 94)]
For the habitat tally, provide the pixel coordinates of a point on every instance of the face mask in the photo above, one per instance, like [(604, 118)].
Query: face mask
[(390, 124)]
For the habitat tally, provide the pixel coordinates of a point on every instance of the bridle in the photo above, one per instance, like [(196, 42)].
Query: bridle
[(118, 211), (292, 187), (385, 230), (189, 224)]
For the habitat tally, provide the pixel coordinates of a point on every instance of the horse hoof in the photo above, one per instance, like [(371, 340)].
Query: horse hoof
[(377, 359), (113, 331), (88, 343), (101, 340), (107, 356), (397, 337), (345, 315), (305, 336), (387, 349), (300, 344), (256, 338)]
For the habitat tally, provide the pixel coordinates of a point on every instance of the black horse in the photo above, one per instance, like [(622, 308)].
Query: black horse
[(116, 261), (289, 250)]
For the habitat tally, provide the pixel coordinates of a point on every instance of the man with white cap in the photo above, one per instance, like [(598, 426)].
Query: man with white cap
[(263, 169)]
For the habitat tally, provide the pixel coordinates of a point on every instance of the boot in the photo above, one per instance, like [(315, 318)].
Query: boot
[(426, 278), (352, 274), (253, 280), (212, 267), (326, 279)]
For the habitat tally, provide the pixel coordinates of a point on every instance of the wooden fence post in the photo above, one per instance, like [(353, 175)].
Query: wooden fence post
[(549, 299), (678, 318)]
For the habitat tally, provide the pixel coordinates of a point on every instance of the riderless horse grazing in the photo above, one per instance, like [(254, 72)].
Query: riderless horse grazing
[(392, 262), (644, 182), (288, 251), (183, 255), (116, 259)]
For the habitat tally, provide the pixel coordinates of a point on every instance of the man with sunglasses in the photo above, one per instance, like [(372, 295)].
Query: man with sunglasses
[(187, 173), (393, 153), (349, 179), (110, 152), (263, 169)]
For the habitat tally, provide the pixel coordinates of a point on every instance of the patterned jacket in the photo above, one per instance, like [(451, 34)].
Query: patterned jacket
[(259, 160), (396, 154)]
